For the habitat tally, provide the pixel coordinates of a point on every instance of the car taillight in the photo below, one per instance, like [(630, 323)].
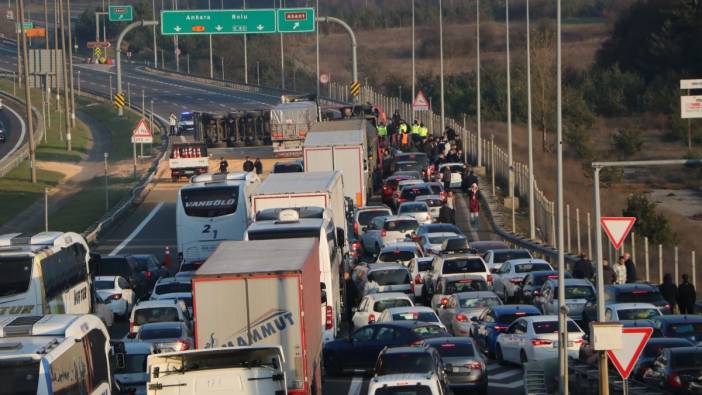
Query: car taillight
[(355, 228), (356, 248), (383, 232), (489, 279), (541, 342), (444, 301), (371, 318), (148, 275), (515, 280), (476, 365), (579, 341), (442, 195), (131, 327), (329, 316), (674, 380), (116, 296), (461, 317), (537, 292), (500, 327), (182, 345), (667, 307), (418, 279)]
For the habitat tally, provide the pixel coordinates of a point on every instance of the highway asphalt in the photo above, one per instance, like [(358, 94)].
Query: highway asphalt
[(12, 122)]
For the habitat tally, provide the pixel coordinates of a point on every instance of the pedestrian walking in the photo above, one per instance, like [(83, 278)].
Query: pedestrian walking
[(468, 180), (474, 205), (223, 165), (631, 276), (248, 165), (669, 291), (620, 271), (686, 296), (608, 274), (450, 200), (258, 165), (447, 215), (446, 177)]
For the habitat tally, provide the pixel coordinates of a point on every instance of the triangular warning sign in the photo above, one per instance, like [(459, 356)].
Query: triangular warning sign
[(633, 342), (617, 228), (142, 129), (420, 102)]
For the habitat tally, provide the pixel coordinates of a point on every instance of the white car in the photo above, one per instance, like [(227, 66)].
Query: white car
[(535, 338), (130, 367), (394, 229), (116, 291), (457, 170), (432, 242), (450, 284), (411, 313), (578, 293), (166, 336), (419, 210), (370, 239), (185, 297), (495, 258), (167, 285), (400, 253), (382, 278), (433, 201), (150, 311), (371, 306), (455, 264), (418, 268), (631, 311), (425, 384), (509, 277)]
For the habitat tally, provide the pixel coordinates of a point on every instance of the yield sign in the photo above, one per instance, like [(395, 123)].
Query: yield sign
[(617, 228), (420, 102), (633, 342)]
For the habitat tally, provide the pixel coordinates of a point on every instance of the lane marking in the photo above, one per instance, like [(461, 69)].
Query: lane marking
[(356, 384), (136, 230), (504, 375), (23, 130), (512, 385)]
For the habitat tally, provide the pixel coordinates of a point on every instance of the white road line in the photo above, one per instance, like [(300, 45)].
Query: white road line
[(355, 387), (23, 129), (512, 385), (504, 375), (136, 230)]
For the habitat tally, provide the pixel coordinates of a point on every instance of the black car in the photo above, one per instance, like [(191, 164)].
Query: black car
[(652, 349), (465, 367), (674, 369), (359, 352), (628, 293), (125, 266), (151, 267), (407, 360), (682, 326), (531, 285)]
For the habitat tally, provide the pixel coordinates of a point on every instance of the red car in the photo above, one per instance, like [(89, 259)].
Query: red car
[(389, 187)]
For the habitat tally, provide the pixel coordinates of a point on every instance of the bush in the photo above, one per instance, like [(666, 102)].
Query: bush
[(649, 223), (627, 141)]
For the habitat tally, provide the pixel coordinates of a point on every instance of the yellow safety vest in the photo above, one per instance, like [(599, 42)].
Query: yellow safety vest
[(403, 127), (415, 129), (382, 131), (423, 131)]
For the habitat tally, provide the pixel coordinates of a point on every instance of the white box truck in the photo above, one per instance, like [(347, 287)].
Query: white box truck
[(344, 146), (318, 189), (256, 293)]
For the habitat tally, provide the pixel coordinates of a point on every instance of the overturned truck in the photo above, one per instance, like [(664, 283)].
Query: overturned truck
[(233, 129)]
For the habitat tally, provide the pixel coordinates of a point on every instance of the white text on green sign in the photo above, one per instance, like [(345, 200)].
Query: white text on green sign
[(121, 13), (253, 21)]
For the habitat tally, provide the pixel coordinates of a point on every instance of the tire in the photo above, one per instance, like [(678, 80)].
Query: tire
[(523, 358), (498, 355)]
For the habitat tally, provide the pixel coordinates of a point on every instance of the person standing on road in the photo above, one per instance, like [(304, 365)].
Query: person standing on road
[(583, 268), (223, 165), (446, 178), (258, 166), (473, 205), (447, 215), (248, 165), (630, 268), (608, 275), (686, 296), (669, 291), (620, 271), (469, 180)]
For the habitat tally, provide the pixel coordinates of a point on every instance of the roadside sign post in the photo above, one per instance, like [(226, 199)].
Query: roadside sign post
[(420, 102), (141, 134), (617, 229), (690, 106), (121, 13), (633, 342)]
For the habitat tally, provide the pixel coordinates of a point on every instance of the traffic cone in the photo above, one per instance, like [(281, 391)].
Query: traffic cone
[(167, 259)]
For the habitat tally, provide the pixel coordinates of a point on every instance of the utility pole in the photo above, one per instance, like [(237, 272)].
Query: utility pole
[(66, 92), (477, 90), (246, 54), (19, 50), (56, 63), (153, 16), (532, 214), (27, 96), (354, 45), (316, 36), (441, 68), (510, 164), (70, 68), (46, 46), (107, 185), (282, 55), (414, 70), (176, 49), (209, 39)]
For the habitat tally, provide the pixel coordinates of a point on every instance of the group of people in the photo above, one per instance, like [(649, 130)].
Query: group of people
[(248, 165)]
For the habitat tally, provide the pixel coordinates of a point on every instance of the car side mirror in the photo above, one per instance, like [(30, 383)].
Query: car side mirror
[(131, 335), (448, 367)]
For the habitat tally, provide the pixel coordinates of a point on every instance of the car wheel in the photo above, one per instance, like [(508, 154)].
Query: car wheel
[(523, 358), (498, 354)]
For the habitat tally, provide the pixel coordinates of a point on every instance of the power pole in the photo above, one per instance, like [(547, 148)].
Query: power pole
[(46, 46), (27, 95), (70, 68), (66, 94)]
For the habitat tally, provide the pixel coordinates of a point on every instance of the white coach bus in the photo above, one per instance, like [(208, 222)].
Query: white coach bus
[(54, 355), (212, 208), (45, 273)]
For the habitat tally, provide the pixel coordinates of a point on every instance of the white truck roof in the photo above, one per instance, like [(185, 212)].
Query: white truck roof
[(337, 133), (284, 183), (257, 256)]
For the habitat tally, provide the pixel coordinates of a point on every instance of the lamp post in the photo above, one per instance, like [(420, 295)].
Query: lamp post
[(532, 216), (441, 68)]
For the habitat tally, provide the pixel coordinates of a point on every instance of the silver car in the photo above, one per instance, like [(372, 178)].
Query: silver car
[(166, 336), (433, 201), (371, 239), (432, 242), (363, 217), (418, 269), (578, 293), (509, 277), (382, 278), (396, 229), (418, 210), (463, 306), (401, 253)]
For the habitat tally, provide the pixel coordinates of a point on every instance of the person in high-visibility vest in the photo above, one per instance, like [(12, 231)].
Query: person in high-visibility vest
[(404, 135), (423, 131), (415, 132), (382, 132)]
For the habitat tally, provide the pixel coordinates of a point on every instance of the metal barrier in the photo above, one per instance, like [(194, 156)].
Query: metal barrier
[(12, 160)]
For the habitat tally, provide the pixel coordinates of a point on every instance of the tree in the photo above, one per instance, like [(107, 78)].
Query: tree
[(649, 223), (627, 141)]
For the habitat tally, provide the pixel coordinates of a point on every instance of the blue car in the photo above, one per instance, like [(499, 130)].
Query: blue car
[(496, 320), (359, 352), (683, 326)]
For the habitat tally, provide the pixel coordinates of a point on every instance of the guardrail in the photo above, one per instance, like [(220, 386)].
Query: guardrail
[(13, 159)]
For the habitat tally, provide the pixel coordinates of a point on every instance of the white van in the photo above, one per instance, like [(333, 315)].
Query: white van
[(229, 370)]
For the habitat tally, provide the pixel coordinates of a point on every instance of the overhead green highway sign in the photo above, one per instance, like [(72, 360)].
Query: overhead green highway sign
[(251, 21), (296, 20), (121, 13)]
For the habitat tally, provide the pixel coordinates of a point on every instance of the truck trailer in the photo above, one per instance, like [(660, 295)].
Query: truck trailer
[(255, 293)]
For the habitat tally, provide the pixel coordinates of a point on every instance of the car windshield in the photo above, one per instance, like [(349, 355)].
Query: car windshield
[(403, 166), (531, 267), (439, 239), (102, 284), (395, 256), (638, 314), (471, 303), (504, 256), (688, 359), (436, 228), (424, 265), (424, 316), (405, 390), (471, 265), (174, 287), (210, 201), (389, 277), (382, 305), (552, 327), (540, 280), (578, 292), (155, 314), (401, 225), (414, 157), (396, 363), (114, 267), (467, 285), (190, 267), (159, 333), (186, 116), (638, 297), (436, 188), (20, 376), (414, 191), (413, 208), (685, 329), (133, 363), (454, 168), (431, 202), (365, 217), (449, 349)]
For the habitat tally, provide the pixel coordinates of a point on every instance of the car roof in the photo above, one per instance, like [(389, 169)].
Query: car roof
[(405, 350), (499, 250), (400, 245), (424, 258), (403, 379), (439, 234), (511, 308), (475, 294), (373, 208), (385, 266), (388, 295), (106, 278), (542, 318), (421, 198), (449, 339), (679, 318), (403, 204), (488, 244), (409, 324), (169, 280), (626, 306), (137, 347), (399, 217), (409, 309), (526, 261), (451, 164), (156, 303)]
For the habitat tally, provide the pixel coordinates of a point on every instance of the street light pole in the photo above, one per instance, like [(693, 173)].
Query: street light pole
[(282, 55), (509, 116), (246, 55), (66, 91), (316, 34), (107, 189), (477, 77), (414, 71), (70, 68), (209, 39), (27, 96), (532, 216), (441, 68), (153, 16)]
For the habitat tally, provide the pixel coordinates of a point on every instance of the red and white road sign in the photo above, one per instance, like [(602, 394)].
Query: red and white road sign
[(420, 102), (142, 133), (633, 342), (324, 78), (617, 228)]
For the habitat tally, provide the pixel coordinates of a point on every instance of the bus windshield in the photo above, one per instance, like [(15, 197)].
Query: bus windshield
[(211, 201), (21, 377), (17, 273)]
